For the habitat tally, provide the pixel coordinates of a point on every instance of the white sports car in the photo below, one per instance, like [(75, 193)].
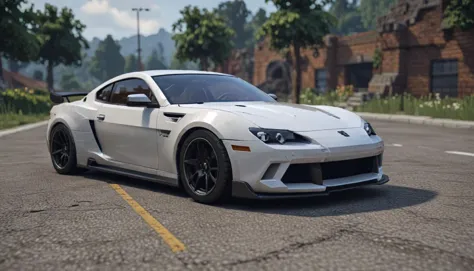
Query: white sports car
[(213, 134)]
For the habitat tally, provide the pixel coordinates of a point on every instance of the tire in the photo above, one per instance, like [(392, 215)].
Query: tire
[(59, 134), (222, 166)]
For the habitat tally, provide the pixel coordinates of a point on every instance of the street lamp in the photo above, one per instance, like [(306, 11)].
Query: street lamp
[(138, 35)]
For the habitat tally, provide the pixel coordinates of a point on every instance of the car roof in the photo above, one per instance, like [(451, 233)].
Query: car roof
[(172, 72)]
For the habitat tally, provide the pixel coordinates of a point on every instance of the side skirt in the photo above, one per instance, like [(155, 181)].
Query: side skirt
[(131, 173)]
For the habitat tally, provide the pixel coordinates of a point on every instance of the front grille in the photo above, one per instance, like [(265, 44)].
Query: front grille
[(318, 172), (341, 169)]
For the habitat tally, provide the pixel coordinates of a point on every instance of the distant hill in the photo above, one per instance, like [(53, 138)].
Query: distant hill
[(128, 46), (148, 43)]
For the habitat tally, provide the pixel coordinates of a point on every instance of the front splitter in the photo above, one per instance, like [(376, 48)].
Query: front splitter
[(243, 190)]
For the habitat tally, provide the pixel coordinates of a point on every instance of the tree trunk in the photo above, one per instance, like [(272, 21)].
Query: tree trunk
[(204, 65), (49, 75), (297, 89), (3, 84)]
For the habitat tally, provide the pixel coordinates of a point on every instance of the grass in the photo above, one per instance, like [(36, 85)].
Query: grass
[(430, 106), (11, 120), (23, 106)]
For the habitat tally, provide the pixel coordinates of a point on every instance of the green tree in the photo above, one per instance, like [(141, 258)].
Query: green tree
[(236, 15), (161, 53), (299, 24), (69, 82), (254, 26), (154, 62), (38, 75), (17, 41), (131, 63), (61, 40), (349, 17), (370, 10), (203, 36), (176, 64), (107, 61), (259, 19), (460, 13)]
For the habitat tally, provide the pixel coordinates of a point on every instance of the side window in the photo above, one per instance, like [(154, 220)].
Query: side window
[(126, 87), (104, 94)]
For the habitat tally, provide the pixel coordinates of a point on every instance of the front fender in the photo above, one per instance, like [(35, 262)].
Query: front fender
[(224, 125)]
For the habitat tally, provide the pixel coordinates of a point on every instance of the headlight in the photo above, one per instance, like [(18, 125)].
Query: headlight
[(272, 136), (368, 128)]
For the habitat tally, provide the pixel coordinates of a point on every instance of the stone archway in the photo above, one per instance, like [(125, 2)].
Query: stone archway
[(278, 79)]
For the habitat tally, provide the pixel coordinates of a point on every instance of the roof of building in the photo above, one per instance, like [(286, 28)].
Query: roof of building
[(403, 14), (9, 77)]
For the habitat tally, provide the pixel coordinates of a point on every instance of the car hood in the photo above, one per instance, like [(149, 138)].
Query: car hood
[(293, 117)]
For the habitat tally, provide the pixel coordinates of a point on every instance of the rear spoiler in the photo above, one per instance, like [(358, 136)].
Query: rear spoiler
[(58, 97)]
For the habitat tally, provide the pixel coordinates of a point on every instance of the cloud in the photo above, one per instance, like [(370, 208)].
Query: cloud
[(125, 19)]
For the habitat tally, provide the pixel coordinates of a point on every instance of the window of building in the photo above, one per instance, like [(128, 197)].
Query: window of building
[(320, 77), (444, 77), (126, 87)]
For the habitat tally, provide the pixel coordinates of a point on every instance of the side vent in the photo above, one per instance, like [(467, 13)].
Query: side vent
[(174, 117), (164, 133), (91, 122)]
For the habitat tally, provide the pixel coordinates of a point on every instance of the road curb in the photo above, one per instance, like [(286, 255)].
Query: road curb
[(419, 120), (22, 128)]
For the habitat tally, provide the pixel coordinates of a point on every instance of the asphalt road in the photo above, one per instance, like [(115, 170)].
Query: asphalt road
[(422, 220)]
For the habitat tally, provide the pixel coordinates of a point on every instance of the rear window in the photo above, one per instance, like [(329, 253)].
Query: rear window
[(207, 88)]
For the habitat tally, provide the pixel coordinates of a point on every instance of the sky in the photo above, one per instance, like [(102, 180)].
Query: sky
[(115, 17)]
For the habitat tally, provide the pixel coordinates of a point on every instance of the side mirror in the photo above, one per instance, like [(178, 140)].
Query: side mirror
[(273, 96), (138, 100)]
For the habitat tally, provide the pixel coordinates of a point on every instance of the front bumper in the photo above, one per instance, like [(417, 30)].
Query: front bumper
[(243, 190), (328, 164)]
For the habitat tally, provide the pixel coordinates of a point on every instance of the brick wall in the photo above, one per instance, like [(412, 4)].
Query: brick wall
[(337, 52), (411, 37), (426, 42), (263, 55)]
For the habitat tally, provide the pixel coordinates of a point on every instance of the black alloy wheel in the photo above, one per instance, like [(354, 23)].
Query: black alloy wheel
[(63, 150), (60, 148), (200, 166), (204, 167)]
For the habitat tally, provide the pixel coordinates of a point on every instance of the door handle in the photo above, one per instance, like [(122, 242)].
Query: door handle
[(101, 117)]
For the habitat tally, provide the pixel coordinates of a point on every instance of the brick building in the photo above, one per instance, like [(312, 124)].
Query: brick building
[(409, 51)]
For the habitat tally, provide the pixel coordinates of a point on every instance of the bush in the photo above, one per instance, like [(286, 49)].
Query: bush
[(431, 106), (24, 101), (311, 96)]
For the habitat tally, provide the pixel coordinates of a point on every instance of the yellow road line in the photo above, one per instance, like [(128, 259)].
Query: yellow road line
[(167, 236)]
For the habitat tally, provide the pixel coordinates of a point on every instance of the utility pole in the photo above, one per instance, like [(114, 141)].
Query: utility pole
[(139, 60)]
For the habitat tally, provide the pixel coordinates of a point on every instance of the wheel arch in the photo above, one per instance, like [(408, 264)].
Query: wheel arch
[(180, 143), (187, 131), (185, 134), (54, 123)]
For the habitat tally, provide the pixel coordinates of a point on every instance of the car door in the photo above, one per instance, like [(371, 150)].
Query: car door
[(128, 134)]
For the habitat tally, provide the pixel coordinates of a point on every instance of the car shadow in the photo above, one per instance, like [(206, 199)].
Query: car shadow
[(357, 200), (353, 201)]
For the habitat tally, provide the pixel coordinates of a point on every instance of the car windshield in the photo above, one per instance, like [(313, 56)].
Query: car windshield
[(206, 88)]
